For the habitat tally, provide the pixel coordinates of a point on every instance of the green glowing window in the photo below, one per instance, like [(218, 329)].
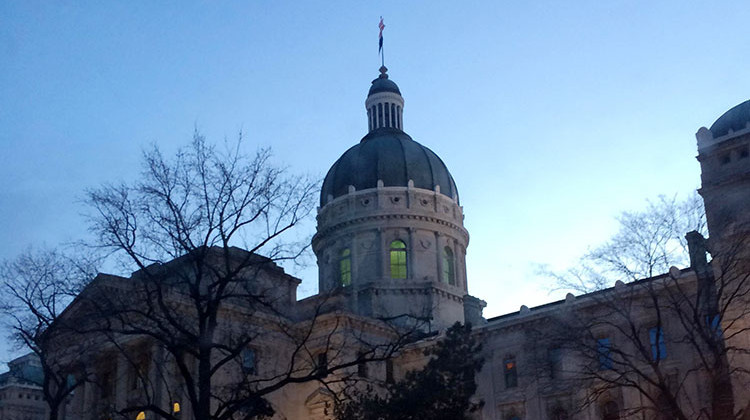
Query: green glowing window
[(345, 267), (398, 260), (449, 275)]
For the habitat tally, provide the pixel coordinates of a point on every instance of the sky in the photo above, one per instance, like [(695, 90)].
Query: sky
[(553, 117)]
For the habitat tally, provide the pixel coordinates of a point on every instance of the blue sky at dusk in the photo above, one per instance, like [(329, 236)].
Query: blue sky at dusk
[(552, 116)]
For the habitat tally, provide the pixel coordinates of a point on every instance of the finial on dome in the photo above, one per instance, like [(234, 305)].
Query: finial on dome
[(383, 72)]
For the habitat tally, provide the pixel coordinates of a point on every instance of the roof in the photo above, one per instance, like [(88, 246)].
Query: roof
[(389, 155), (383, 84), (735, 119)]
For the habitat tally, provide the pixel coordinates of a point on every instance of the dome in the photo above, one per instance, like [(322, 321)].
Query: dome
[(390, 155), (735, 119), (383, 84)]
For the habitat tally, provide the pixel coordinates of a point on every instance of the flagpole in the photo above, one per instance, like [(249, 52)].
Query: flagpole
[(380, 43)]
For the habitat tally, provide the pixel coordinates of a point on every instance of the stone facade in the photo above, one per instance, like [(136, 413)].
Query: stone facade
[(393, 246), (21, 396)]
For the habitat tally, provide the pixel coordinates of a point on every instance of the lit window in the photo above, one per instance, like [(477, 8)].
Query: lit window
[(176, 407), (511, 374), (603, 351), (449, 275), (398, 260), (141, 416), (345, 267), (658, 348), (248, 361)]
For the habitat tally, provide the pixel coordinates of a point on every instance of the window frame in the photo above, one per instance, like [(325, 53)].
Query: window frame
[(449, 266), (658, 346), (345, 267), (397, 252), (604, 353), (247, 368)]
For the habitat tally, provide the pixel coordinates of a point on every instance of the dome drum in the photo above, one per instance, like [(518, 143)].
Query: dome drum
[(395, 202)]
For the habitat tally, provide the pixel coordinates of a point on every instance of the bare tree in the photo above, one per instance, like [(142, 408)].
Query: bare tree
[(635, 336), (442, 389), (186, 326), (37, 286)]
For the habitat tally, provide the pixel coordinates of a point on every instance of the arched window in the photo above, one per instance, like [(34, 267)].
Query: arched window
[(449, 274), (398, 260), (141, 416), (345, 267), (176, 407)]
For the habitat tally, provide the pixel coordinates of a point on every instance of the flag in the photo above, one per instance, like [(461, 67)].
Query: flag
[(381, 25)]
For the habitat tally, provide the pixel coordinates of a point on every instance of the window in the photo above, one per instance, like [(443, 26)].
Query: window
[(322, 366), (176, 407), (559, 413), (140, 372), (744, 152), (107, 384), (610, 411), (387, 115), (141, 416), (554, 358), (449, 275), (345, 267), (603, 351), (398, 260), (380, 116), (389, 371), (725, 158), (658, 348), (362, 367), (511, 374), (713, 322), (249, 366)]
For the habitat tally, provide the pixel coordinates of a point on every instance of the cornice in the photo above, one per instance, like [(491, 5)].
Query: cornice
[(384, 216)]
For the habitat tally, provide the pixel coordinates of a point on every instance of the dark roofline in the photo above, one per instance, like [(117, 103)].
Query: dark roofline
[(584, 296)]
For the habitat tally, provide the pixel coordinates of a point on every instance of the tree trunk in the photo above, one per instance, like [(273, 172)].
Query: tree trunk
[(203, 411)]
